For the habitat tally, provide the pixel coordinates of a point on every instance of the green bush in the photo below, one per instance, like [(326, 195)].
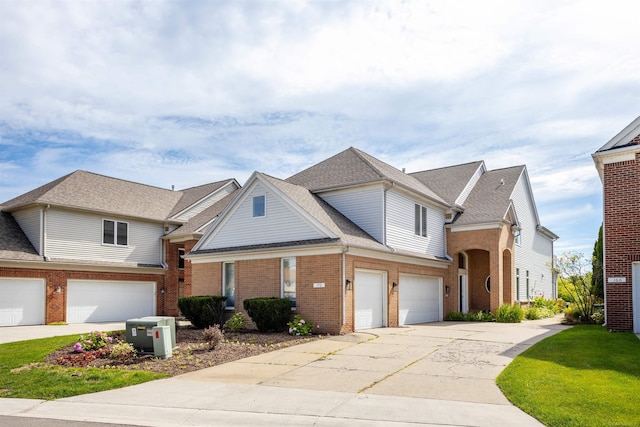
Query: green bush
[(235, 322), (202, 311), (534, 313), (555, 305), (299, 326), (269, 314), (508, 313), (472, 316), (456, 316), (122, 351)]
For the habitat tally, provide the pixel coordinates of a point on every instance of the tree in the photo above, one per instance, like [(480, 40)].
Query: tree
[(597, 265), (576, 281)]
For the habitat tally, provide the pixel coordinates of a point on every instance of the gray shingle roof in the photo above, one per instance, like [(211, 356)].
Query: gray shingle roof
[(490, 198), (448, 182), (194, 224), (94, 192), (194, 194), (14, 244), (355, 167)]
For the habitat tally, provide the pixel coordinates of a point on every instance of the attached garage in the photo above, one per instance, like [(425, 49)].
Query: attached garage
[(420, 299), (22, 302), (370, 299), (109, 301)]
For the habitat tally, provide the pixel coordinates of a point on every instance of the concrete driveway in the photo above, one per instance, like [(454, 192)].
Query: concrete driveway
[(23, 333), (431, 374)]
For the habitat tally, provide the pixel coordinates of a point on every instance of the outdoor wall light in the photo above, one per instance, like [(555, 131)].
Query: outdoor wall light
[(394, 287), (58, 289), (348, 284), (446, 290)]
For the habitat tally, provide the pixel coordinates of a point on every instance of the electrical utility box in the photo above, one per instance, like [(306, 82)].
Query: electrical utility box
[(139, 332), (162, 342)]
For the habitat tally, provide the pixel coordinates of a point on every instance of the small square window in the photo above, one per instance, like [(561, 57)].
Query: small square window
[(181, 258), (258, 206)]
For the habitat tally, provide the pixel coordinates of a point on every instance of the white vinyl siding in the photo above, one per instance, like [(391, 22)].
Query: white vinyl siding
[(78, 236), (203, 204), (401, 226), (535, 250), (29, 220), (281, 224), (364, 206)]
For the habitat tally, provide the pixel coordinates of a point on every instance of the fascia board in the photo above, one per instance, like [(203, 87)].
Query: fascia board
[(473, 227), (208, 196), (624, 136), (394, 257), (263, 254), (53, 265)]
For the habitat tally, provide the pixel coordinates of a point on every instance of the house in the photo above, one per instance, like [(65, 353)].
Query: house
[(618, 164), (356, 243), (91, 248)]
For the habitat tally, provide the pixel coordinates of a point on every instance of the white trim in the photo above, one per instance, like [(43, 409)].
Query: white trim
[(407, 259), (262, 254), (635, 296), (208, 196), (54, 265), (625, 136), (473, 227)]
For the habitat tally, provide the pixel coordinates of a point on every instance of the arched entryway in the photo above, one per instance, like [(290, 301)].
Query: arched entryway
[(478, 268)]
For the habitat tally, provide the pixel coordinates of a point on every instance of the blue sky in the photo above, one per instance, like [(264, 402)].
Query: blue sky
[(188, 92)]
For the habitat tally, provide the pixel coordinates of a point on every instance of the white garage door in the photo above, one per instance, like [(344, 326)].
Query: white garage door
[(635, 295), (420, 299), (102, 301), (21, 302), (370, 296)]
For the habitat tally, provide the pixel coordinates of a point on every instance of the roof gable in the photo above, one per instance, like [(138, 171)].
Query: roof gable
[(192, 196), (629, 136), (449, 182), (14, 244), (199, 222), (353, 167)]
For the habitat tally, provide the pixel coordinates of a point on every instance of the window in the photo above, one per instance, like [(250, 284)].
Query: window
[(258, 206), (420, 220), (289, 280), (518, 238), (517, 284), (181, 258), (527, 282), (229, 284), (115, 233)]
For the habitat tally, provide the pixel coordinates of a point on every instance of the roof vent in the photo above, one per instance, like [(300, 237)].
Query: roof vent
[(173, 187)]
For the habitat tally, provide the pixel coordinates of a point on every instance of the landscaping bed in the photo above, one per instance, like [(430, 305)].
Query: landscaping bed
[(193, 352)]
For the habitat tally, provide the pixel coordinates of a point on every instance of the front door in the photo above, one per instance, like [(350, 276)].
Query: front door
[(463, 292)]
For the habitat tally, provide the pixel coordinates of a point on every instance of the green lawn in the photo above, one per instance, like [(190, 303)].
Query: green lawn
[(23, 373), (584, 376)]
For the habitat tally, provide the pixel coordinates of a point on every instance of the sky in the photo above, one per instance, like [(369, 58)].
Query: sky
[(189, 92)]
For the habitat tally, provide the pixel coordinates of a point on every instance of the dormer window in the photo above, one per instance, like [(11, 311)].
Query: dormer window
[(259, 206), (420, 220), (115, 233)]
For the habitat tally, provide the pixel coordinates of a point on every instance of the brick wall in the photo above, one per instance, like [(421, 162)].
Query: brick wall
[(621, 238), (56, 303)]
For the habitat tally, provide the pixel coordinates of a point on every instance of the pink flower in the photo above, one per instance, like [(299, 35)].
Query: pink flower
[(77, 347)]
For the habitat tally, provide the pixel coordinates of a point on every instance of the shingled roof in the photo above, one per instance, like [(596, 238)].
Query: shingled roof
[(354, 167), (195, 224), (448, 182), (93, 192), (194, 194), (490, 198), (14, 245)]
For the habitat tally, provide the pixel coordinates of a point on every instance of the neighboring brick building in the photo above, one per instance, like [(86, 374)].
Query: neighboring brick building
[(356, 243), (618, 164)]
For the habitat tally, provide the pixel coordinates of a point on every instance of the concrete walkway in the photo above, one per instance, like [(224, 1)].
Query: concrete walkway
[(434, 374), (24, 333)]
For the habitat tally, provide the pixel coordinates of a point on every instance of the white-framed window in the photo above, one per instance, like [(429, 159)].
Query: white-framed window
[(115, 232), (229, 284), (518, 238), (181, 258), (288, 272), (259, 206), (420, 220), (517, 284), (527, 283)]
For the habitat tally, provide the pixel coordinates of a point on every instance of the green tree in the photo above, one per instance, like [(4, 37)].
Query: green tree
[(575, 279), (597, 265)]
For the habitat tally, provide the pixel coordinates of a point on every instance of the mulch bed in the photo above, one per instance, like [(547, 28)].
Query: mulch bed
[(193, 352)]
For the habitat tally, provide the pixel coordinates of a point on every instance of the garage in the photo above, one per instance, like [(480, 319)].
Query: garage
[(420, 299), (22, 302), (370, 299), (109, 301)]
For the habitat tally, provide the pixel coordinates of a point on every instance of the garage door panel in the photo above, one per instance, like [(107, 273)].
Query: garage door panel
[(419, 299), (22, 302), (369, 299), (89, 301)]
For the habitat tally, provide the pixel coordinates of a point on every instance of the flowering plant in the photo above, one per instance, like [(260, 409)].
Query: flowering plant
[(299, 326), (94, 341)]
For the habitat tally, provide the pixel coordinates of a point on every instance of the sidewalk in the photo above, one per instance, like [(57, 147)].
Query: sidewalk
[(23, 333), (434, 374)]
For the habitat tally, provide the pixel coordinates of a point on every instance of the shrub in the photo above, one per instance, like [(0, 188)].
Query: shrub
[(235, 323), (554, 305), (93, 341), (508, 313), (122, 351), (598, 317), (535, 313), (202, 311), (213, 335), (456, 316), (299, 326), (472, 316), (269, 314), (571, 314)]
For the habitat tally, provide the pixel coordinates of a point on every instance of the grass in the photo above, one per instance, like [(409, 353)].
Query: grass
[(584, 377), (23, 373)]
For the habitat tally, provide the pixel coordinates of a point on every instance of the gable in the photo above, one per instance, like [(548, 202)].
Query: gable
[(280, 223)]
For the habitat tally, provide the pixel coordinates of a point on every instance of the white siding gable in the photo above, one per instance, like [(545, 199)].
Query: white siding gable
[(535, 251), (401, 226), (364, 206), (29, 221), (78, 236), (281, 223), (204, 203)]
